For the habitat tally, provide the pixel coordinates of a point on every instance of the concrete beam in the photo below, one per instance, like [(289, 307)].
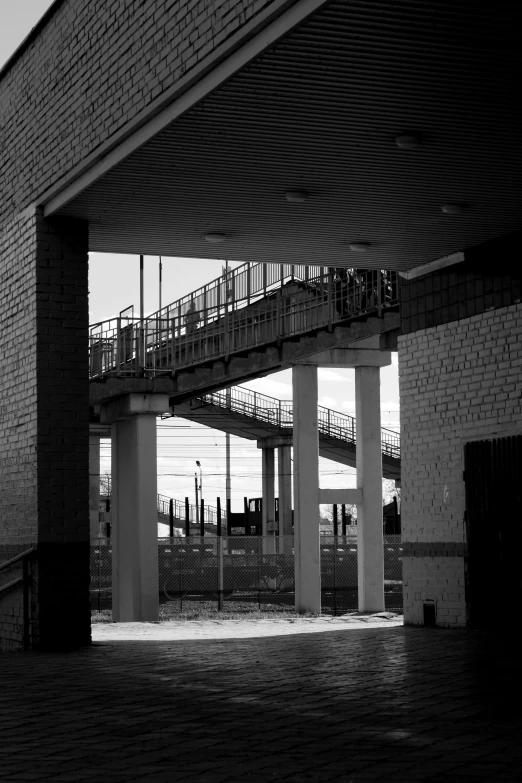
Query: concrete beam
[(349, 357), (275, 441), (101, 430), (134, 405), (349, 496)]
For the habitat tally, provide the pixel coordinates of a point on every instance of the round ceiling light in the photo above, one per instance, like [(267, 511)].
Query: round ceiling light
[(215, 236), (297, 196), (452, 209), (359, 247), (408, 141)]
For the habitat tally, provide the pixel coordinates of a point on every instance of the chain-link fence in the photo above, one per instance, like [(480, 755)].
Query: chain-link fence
[(238, 572)]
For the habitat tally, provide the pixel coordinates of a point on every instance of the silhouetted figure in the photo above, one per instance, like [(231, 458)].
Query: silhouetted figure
[(191, 318)]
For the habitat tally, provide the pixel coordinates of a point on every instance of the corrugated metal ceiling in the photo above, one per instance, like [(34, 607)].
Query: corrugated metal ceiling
[(320, 111)]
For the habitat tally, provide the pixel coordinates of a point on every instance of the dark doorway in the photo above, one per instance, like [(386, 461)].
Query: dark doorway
[(493, 478)]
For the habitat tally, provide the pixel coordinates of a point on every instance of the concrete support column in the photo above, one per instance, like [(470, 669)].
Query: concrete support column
[(268, 482), (94, 485), (284, 470), (370, 553), (306, 490), (135, 593)]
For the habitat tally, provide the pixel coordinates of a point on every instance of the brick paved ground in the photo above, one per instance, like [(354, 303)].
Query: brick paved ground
[(350, 704)]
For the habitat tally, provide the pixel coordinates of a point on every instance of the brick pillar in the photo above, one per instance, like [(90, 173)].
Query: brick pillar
[(44, 443)]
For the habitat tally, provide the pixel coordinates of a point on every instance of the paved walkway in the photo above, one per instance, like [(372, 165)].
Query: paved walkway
[(317, 700)]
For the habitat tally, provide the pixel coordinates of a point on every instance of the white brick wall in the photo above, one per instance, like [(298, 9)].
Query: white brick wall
[(458, 382)]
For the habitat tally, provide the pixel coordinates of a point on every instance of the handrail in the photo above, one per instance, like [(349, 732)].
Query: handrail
[(15, 559), (210, 512), (166, 342), (25, 579), (280, 414)]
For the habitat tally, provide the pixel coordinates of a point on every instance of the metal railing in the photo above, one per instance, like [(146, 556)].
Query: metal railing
[(25, 580), (279, 413), (179, 510), (241, 573), (213, 324)]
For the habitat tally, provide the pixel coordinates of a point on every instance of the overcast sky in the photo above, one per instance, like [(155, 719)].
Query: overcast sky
[(114, 285)]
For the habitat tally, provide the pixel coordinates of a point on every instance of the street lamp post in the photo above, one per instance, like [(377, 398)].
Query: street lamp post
[(200, 494)]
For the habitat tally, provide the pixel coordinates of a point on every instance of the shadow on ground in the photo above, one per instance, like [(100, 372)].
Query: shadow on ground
[(388, 704)]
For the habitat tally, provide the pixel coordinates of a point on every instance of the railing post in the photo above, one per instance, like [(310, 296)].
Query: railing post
[(202, 518), (118, 341), (255, 405), (343, 519), (328, 415), (171, 518), (279, 414), (379, 293), (249, 283), (205, 317), (187, 518), (25, 585), (246, 516), (330, 296), (264, 278), (229, 518)]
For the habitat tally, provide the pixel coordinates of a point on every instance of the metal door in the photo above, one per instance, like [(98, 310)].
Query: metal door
[(493, 479)]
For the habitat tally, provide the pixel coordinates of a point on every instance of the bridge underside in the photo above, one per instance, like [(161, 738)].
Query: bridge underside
[(243, 426)]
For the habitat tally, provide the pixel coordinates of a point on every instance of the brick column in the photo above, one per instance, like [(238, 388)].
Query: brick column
[(44, 443)]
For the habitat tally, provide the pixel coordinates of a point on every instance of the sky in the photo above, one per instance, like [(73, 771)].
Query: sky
[(114, 285)]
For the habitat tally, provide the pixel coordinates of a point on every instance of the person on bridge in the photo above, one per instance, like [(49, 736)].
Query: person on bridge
[(191, 318)]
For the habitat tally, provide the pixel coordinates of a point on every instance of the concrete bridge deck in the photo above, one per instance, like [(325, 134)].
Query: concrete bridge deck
[(218, 338)]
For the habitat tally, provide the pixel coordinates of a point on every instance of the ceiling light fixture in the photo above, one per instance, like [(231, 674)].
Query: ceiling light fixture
[(215, 236), (408, 141), (296, 195), (359, 247), (452, 209)]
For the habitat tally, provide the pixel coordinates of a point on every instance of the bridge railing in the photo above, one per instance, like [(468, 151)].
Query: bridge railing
[(210, 512), (167, 342), (279, 413)]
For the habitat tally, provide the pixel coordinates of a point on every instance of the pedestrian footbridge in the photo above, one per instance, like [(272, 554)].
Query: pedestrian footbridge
[(253, 320), (248, 414), (184, 360)]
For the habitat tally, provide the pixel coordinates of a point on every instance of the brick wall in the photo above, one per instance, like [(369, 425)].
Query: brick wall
[(459, 381), (44, 422), (99, 63)]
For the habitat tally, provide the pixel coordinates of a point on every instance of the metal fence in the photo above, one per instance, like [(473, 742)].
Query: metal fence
[(241, 572)]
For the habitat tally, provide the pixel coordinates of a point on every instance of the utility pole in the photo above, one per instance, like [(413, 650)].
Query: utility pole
[(160, 280), (142, 300), (228, 397), (227, 453), (142, 314)]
